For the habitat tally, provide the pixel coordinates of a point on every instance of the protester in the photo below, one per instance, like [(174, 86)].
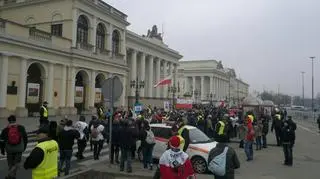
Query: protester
[(128, 136), (230, 157), (318, 121), (115, 146), (147, 144), (258, 134), (249, 138), (174, 163), (66, 141), (97, 137), (83, 129), (14, 141), (43, 159), (93, 120), (288, 140), (265, 130)]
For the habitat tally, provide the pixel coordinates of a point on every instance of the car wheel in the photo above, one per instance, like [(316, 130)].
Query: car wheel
[(199, 164), (140, 155)]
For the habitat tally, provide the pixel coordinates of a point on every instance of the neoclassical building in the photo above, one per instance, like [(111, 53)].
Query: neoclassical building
[(61, 51), (208, 80)]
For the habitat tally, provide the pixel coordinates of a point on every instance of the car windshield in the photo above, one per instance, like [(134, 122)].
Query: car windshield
[(197, 136)]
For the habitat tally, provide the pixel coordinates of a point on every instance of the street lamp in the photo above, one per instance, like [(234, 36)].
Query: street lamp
[(302, 74), (196, 92), (138, 85), (211, 98), (312, 105)]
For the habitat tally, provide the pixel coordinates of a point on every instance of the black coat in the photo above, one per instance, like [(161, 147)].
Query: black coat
[(128, 137)]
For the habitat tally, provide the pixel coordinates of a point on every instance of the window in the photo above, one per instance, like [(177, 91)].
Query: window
[(82, 30), (56, 29), (115, 42), (100, 37), (197, 136), (161, 132)]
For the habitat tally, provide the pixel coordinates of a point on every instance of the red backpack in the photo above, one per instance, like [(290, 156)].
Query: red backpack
[(14, 136)]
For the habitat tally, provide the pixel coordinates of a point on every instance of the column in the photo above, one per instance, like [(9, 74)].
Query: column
[(158, 64), (63, 87), (202, 88), (150, 88), (165, 75), (211, 87), (49, 86), (71, 85), (109, 39), (92, 89), (193, 86), (186, 85), (22, 84), (142, 73), (133, 69), (74, 27), (94, 33), (218, 89), (4, 81), (123, 96)]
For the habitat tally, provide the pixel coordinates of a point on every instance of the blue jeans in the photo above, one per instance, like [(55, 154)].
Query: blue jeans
[(147, 155), (248, 149), (65, 157), (258, 142)]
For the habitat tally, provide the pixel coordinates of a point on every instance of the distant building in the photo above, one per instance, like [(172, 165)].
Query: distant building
[(208, 80)]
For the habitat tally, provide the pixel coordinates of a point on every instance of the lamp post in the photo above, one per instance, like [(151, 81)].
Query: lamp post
[(211, 98), (302, 75), (173, 89), (196, 95), (312, 105), (138, 85)]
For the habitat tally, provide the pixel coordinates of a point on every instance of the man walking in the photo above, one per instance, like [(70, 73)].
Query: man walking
[(276, 125), (44, 114), (248, 143), (83, 130), (14, 141), (66, 141)]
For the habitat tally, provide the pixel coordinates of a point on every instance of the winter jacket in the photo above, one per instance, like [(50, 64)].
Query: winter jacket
[(250, 132), (67, 137), (19, 148), (288, 132), (232, 161), (128, 137)]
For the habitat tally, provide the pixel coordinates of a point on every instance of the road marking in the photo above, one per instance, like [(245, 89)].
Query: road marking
[(307, 129)]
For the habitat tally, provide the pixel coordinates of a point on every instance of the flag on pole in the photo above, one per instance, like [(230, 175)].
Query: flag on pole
[(165, 81)]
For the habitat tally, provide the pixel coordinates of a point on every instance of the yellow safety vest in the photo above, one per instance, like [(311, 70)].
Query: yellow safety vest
[(221, 129), (48, 168), (45, 111), (182, 141)]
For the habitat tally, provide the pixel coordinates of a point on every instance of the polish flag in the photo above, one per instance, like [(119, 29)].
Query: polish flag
[(166, 81)]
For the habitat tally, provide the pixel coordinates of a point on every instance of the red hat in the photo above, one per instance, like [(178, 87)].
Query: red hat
[(174, 142)]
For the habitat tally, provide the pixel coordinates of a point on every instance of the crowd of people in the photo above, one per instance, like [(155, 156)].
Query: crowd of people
[(128, 127)]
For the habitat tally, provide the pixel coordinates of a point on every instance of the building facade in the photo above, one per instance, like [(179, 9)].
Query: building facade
[(207, 80), (61, 52)]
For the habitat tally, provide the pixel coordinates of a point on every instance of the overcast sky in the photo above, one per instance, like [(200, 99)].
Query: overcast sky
[(267, 42)]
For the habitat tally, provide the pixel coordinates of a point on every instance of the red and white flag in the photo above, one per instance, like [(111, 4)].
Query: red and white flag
[(165, 81)]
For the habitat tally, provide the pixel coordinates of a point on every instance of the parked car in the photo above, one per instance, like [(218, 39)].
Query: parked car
[(198, 150)]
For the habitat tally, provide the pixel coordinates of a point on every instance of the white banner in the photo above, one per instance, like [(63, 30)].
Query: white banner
[(98, 95), (184, 101), (33, 93), (78, 98)]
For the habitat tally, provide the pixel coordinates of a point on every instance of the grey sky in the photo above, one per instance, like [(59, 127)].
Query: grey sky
[(268, 42)]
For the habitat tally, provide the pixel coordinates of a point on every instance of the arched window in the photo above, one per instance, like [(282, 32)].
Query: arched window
[(100, 36), (115, 42), (82, 30)]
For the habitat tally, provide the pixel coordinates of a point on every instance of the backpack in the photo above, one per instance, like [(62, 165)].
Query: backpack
[(94, 132), (218, 164), (150, 137), (14, 136)]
